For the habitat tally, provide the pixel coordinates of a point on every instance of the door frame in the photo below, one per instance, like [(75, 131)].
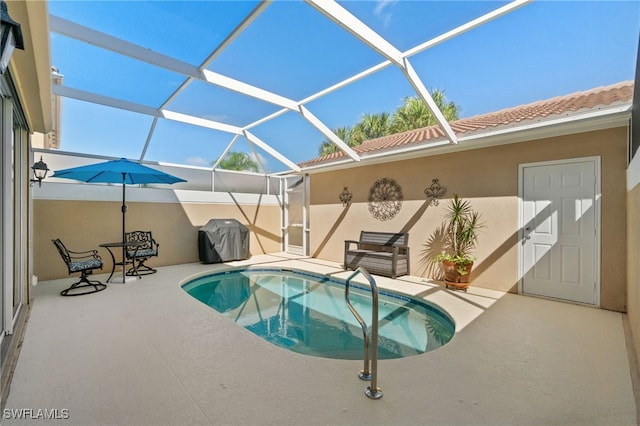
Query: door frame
[(596, 160), (303, 188)]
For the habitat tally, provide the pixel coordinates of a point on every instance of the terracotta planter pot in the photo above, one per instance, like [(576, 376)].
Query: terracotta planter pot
[(457, 286), (452, 275)]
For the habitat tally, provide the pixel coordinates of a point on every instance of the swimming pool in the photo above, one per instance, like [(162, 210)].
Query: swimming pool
[(307, 313)]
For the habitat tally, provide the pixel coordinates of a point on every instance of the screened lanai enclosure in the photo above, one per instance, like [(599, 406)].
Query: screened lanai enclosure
[(258, 80), (260, 86), (294, 120), (192, 82), (261, 78)]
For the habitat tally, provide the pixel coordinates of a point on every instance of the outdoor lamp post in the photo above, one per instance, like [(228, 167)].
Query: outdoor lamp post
[(10, 37), (40, 170)]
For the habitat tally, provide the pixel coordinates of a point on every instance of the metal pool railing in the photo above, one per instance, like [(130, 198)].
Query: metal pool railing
[(370, 370)]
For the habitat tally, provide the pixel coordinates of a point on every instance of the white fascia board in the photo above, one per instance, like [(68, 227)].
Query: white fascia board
[(342, 17), (328, 133), (247, 89), (382, 157), (334, 165), (417, 84), (202, 122), (284, 160), (105, 41), (69, 92)]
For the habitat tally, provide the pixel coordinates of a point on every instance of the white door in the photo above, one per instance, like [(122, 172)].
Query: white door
[(295, 235), (560, 216)]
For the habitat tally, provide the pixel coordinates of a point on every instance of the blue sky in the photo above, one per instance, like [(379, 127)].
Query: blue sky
[(543, 49)]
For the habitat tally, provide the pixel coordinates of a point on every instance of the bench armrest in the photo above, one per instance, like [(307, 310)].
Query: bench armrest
[(398, 248), (347, 243)]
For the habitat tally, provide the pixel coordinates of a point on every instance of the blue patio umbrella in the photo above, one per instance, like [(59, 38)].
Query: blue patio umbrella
[(118, 171)]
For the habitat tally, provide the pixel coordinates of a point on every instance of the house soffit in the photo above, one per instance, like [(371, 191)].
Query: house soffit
[(31, 68)]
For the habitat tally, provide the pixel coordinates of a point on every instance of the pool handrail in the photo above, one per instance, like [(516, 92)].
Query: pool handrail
[(370, 370)]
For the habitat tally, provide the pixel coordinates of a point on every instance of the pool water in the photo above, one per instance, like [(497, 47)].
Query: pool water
[(307, 313)]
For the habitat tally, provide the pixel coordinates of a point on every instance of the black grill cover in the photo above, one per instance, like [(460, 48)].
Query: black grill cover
[(222, 240)]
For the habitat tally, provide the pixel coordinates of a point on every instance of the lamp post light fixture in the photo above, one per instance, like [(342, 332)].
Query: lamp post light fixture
[(40, 170), (10, 37)]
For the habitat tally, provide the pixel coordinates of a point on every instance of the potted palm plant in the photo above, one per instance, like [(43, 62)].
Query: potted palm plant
[(461, 227)]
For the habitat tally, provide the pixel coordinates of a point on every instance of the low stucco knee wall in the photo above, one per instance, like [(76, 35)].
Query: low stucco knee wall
[(84, 225)]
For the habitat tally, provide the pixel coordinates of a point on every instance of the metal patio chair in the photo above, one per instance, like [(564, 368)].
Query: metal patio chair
[(141, 253), (84, 262)]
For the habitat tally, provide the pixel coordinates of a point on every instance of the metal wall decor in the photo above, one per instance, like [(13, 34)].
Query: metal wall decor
[(385, 199), (345, 196), (435, 191)]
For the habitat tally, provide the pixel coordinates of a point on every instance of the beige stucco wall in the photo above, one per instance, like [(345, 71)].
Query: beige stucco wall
[(633, 266), (83, 225), (487, 177)]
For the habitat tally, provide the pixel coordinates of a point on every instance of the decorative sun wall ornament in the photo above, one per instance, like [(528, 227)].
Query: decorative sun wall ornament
[(345, 196), (435, 191), (385, 199)]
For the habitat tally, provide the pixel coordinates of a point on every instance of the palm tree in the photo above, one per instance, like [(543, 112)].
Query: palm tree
[(240, 161), (371, 126), (414, 114), (327, 147), (449, 109)]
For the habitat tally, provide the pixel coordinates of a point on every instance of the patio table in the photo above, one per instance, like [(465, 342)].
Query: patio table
[(125, 245)]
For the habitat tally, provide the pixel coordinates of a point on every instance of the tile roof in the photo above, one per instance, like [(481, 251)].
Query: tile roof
[(540, 111)]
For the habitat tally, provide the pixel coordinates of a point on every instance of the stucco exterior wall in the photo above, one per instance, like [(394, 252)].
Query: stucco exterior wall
[(488, 178), (84, 225), (633, 265)]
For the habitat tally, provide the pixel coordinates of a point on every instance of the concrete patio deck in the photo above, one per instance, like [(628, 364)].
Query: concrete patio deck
[(146, 353)]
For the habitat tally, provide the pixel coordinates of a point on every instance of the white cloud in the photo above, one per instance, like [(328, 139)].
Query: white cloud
[(382, 11), (262, 160), (198, 161), (381, 5), (220, 118)]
